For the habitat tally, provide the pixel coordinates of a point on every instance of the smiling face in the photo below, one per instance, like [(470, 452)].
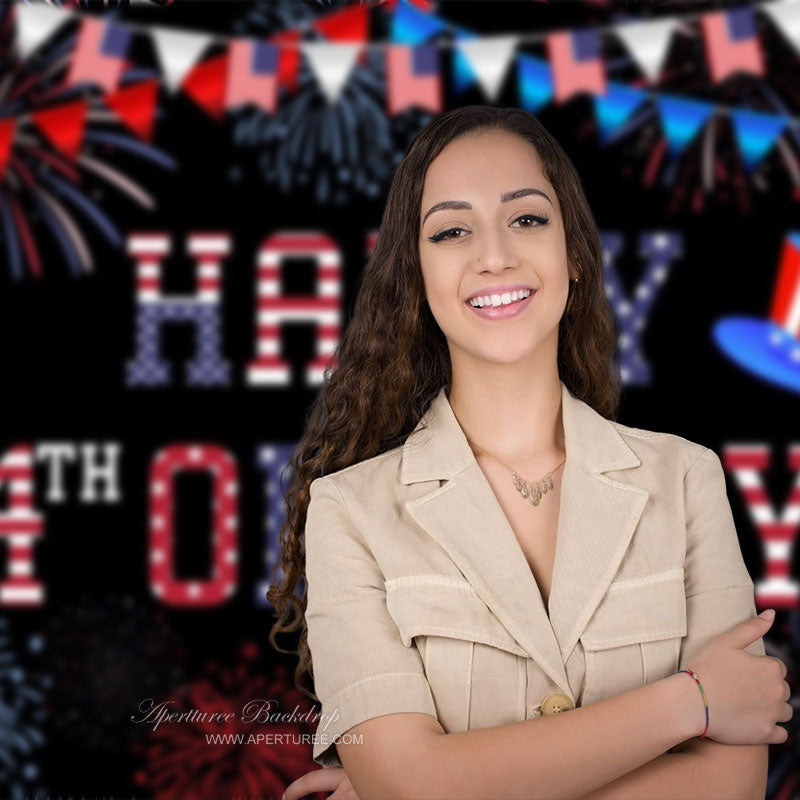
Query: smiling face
[(493, 239)]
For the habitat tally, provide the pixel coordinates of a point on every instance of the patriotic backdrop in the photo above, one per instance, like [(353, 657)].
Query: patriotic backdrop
[(188, 193)]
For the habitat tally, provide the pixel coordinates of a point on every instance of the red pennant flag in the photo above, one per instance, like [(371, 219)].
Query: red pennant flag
[(136, 107), (206, 85), (6, 135), (64, 125), (348, 25), (289, 59)]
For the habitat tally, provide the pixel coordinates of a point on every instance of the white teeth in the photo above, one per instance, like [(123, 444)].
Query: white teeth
[(499, 299)]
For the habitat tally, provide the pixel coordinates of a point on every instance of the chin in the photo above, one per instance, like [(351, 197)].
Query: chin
[(504, 355)]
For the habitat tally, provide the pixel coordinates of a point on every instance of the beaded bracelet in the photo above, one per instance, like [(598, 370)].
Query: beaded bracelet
[(692, 674)]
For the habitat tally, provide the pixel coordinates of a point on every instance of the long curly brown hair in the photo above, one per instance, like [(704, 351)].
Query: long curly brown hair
[(393, 358)]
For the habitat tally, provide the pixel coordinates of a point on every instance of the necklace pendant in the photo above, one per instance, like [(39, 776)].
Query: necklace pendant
[(533, 491)]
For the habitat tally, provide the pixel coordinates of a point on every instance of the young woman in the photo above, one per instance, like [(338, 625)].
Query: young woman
[(483, 546)]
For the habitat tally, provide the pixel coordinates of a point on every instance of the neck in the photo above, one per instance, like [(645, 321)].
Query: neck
[(518, 422)]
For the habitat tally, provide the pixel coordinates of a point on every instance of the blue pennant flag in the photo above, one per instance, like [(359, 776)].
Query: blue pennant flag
[(756, 132), (534, 82), (412, 26), (463, 74), (681, 120), (615, 107)]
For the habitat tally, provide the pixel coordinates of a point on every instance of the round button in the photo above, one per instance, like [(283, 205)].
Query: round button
[(556, 703)]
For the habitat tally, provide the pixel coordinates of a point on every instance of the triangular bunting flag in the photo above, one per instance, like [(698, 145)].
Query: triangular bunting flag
[(534, 82), (648, 43), (331, 64), (289, 58), (756, 132), (681, 119), (63, 125), (615, 107), (786, 16), (35, 23), (6, 137), (136, 107), (348, 25), (206, 85), (489, 57), (463, 74), (177, 51), (412, 26)]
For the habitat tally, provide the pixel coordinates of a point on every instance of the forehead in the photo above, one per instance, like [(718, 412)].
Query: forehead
[(487, 164)]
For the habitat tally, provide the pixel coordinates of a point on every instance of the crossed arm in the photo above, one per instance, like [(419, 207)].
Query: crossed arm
[(698, 769), (718, 594)]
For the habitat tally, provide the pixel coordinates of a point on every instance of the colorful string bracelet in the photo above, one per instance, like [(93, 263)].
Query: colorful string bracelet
[(692, 674)]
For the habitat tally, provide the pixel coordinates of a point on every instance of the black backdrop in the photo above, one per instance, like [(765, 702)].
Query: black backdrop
[(100, 642)]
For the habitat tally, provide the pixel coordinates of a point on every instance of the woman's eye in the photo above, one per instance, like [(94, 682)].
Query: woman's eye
[(443, 235), (537, 220)]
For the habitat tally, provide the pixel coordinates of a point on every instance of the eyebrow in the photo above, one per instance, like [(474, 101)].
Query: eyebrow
[(459, 205)]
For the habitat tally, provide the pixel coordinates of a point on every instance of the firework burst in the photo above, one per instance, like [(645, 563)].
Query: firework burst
[(199, 758), (41, 188), (22, 715), (341, 152)]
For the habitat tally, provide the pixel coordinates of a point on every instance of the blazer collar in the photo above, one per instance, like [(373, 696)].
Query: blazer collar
[(597, 517)]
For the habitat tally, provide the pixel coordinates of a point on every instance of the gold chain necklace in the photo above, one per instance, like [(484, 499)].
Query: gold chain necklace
[(530, 491)]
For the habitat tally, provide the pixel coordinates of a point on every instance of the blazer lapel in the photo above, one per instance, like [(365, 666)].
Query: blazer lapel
[(597, 517)]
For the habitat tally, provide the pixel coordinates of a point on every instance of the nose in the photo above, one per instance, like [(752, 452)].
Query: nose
[(495, 253)]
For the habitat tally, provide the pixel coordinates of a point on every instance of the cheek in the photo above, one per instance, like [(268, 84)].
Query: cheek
[(441, 288)]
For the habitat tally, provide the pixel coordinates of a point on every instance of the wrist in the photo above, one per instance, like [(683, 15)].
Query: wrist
[(688, 711)]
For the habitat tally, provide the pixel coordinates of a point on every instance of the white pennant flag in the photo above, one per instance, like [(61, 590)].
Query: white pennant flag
[(648, 42), (177, 51), (331, 63), (786, 15), (489, 57), (35, 23)]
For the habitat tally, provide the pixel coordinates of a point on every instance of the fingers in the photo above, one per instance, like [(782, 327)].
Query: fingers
[(325, 779), (778, 661), (779, 735), (344, 792)]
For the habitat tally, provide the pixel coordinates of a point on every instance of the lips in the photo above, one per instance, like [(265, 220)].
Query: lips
[(503, 288), (512, 309), (478, 300)]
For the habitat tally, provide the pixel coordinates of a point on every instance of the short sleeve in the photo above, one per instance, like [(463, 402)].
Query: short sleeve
[(719, 589), (361, 667)]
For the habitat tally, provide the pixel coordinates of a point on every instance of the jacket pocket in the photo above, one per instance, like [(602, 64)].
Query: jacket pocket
[(634, 636), (475, 668)]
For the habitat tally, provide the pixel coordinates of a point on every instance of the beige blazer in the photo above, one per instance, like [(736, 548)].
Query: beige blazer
[(421, 599)]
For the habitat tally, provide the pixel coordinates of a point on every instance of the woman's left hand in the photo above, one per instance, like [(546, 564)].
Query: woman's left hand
[(327, 779)]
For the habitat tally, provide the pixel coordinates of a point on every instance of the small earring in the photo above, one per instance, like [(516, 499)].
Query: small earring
[(573, 281)]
